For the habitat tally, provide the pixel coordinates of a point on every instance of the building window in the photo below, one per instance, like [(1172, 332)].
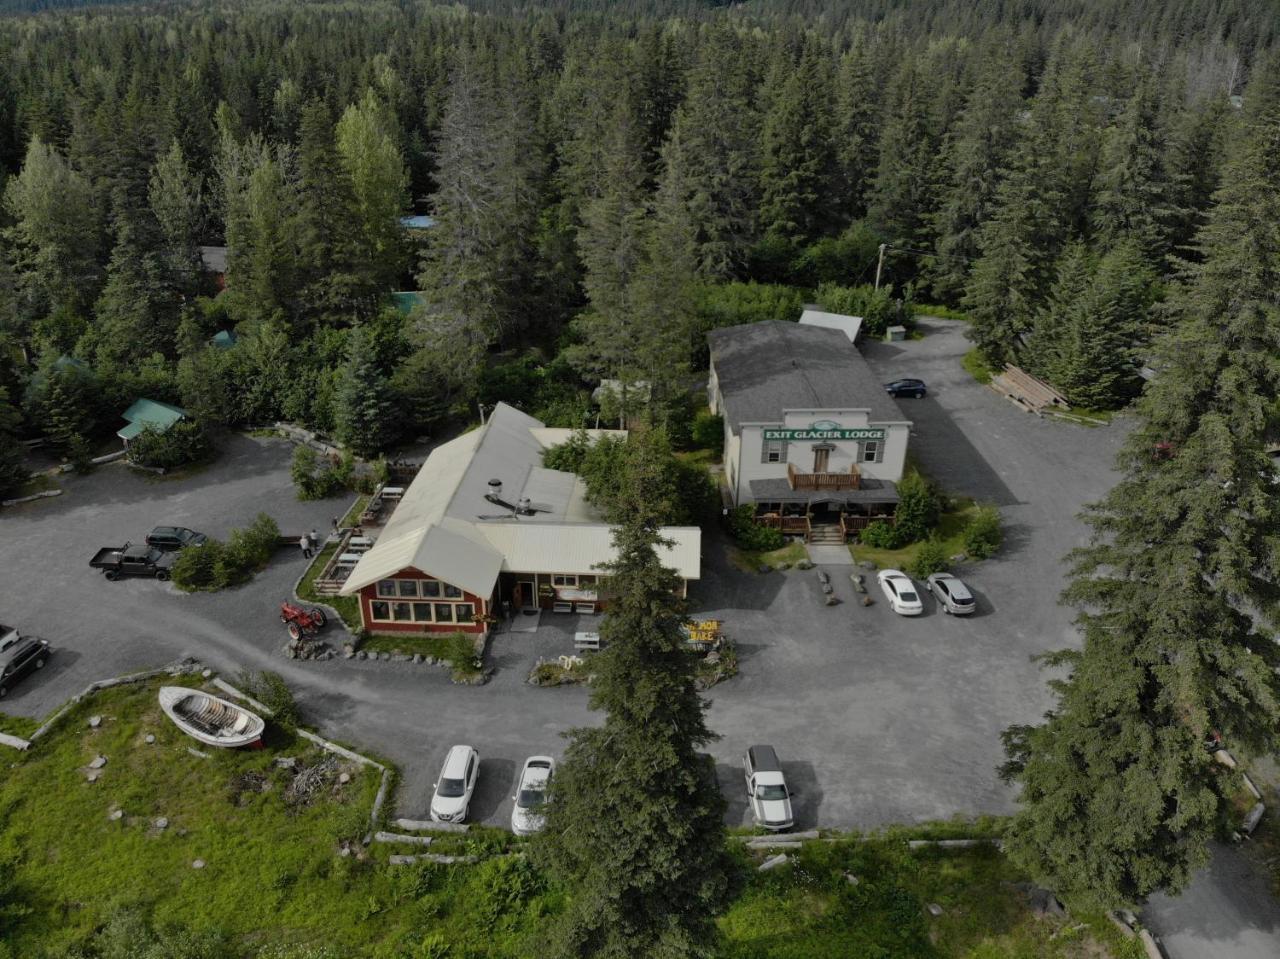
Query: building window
[(444, 612), (563, 580), (465, 612), (586, 580), (386, 587), (870, 451), (422, 612), (380, 610), (408, 587), (430, 589), (401, 612), (452, 592), (774, 450)]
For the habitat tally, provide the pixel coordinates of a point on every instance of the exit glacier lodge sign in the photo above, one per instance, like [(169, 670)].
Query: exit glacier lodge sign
[(824, 430)]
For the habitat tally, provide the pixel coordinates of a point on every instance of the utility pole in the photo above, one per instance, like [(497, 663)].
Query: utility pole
[(880, 264)]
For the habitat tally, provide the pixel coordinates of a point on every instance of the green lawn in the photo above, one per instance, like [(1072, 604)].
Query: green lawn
[(456, 648), (36, 483), (274, 873), (977, 366), (348, 607), (750, 562), (950, 532), (18, 725)]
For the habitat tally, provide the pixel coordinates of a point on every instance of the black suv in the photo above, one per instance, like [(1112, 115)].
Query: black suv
[(170, 538), (19, 655), (907, 387)]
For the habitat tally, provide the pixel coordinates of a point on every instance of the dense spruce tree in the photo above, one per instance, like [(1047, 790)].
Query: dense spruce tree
[(711, 158), (1001, 294), (977, 155), (334, 287), (1177, 593), (363, 407), (797, 167), (635, 829), (12, 471), (857, 129), (1134, 201), (903, 196), (137, 311), (176, 195)]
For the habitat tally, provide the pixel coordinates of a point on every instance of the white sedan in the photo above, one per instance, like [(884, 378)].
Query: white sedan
[(526, 815), (901, 592)]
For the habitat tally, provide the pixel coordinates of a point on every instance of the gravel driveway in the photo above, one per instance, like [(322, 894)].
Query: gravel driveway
[(879, 719)]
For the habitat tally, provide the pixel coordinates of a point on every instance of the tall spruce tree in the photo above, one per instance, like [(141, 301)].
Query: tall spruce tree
[(368, 145), (363, 407), (635, 829), (12, 471), (1177, 594), (176, 196), (903, 197), (857, 129)]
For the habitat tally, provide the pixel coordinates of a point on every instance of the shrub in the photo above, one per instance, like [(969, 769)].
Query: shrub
[(708, 430), (878, 308), (918, 509), (271, 690), (183, 442), (931, 558), (216, 565), (315, 478), (749, 534), (879, 535), (983, 536)]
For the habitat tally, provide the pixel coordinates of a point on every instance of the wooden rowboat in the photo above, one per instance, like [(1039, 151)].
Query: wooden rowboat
[(213, 721)]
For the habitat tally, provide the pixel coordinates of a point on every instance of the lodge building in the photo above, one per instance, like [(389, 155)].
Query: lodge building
[(484, 528), (810, 436)]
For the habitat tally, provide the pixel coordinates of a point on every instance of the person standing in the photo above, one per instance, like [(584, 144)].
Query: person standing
[(305, 542), (315, 540)]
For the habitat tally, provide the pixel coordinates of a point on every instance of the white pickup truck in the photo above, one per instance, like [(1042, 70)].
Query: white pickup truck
[(767, 789)]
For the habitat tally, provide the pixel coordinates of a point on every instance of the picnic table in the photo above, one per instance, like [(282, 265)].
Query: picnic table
[(586, 641)]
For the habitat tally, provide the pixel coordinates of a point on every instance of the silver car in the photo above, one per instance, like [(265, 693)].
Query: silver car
[(952, 594)]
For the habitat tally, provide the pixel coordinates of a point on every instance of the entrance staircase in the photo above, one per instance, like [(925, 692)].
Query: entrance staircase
[(826, 534)]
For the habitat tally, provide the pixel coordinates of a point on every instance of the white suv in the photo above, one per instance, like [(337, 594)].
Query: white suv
[(456, 784)]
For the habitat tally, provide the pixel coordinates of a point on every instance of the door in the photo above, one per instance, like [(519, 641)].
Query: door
[(821, 456), (527, 596)]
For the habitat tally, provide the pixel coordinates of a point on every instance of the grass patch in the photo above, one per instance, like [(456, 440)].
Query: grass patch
[(976, 365), (353, 515), (348, 607), (457, 649), (950, 533), (750, 562), (938, 312), (36, 483), (21, 726), (706, 458), (1103, 416), (810, 909)]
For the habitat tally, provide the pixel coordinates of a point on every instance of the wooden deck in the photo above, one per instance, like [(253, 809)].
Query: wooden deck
[(1027, 391), (849, 479)]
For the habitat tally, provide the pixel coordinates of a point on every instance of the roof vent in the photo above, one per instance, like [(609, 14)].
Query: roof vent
[(495, 487)]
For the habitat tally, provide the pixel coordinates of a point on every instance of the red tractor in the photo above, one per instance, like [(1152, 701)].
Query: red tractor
[(301, 621)]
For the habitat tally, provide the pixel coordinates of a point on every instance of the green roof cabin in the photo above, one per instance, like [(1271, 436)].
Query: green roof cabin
[(224, 339), (144, 413), (406, 300)]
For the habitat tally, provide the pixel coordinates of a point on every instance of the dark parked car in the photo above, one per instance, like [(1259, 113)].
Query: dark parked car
[(19, 655), (907, 387), (130, 560), (174, 537)]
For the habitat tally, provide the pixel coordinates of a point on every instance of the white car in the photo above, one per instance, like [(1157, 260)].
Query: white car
[(456, 784), (526, 815), (901, 592), (767, 789), (952, 594)]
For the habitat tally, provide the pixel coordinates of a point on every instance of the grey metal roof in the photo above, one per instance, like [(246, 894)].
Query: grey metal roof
[(780, 491), (765, 368)]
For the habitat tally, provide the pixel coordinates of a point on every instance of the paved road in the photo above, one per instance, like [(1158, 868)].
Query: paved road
[(881, 719), (1226, 913)]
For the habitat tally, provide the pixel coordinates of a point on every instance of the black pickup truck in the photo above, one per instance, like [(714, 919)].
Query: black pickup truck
[(130, 560)]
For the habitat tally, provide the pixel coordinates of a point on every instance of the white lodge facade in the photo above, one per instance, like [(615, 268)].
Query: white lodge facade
[(809, 436)]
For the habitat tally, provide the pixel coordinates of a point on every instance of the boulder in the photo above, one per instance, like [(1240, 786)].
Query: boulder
[(97, 762), (417, 657), (197, 864), (823, 578), (116, 815), (150, 739), (867, 564), (764, 568), (160, 823), (95, 722), (344, 778), (934, 909)]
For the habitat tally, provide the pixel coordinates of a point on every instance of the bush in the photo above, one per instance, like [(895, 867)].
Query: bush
[(878, 308), (983, 536), (749, 534), (918, 509), (183, 442), (271, 690), (707, 432), (217, 565), (931, 558), (315, 478), (879, 535)]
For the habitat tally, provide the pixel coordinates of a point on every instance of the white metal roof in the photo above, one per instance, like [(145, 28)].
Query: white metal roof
[(848, 325), (531, 547), (443, 525)]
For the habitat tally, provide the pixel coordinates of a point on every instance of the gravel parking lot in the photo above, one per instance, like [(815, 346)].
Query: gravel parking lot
[(878, 718)]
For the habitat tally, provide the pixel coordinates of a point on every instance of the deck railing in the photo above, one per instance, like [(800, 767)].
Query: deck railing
[(847, 479)]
